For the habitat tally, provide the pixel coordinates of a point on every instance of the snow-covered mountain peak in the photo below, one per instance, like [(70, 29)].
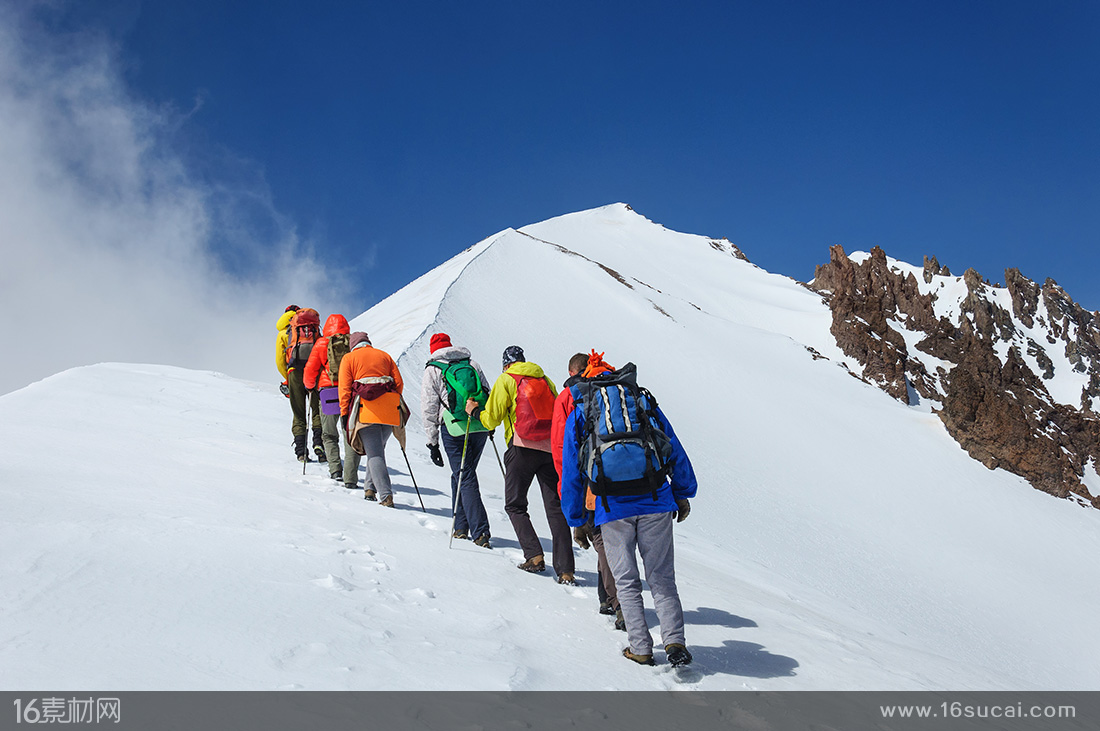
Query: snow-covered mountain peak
[(840, 539)]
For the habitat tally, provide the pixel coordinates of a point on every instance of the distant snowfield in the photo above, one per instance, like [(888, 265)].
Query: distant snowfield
[(158, 534)]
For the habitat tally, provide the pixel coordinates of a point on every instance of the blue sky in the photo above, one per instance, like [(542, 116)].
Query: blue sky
[(398, 133), (331, 152)]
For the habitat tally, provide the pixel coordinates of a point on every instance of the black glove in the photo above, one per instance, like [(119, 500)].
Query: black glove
[(284, 389), (683, 507), (437, 458), (582, 535), (491, 435), (344, 422)]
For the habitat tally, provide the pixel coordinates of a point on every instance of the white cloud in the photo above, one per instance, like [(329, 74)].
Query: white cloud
[(110, 248)]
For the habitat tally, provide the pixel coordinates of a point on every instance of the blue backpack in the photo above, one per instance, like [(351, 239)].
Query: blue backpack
[(621, 446)]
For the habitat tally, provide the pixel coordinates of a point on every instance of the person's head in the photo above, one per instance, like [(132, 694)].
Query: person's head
[(358, 339), (439, 340), (292, 308), (512, 354), (577, 364)]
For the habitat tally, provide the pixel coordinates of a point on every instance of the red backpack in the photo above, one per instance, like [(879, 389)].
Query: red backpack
[(301, 334), (534, 408)]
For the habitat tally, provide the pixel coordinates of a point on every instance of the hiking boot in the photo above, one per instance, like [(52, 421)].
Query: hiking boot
[(640, 659), (386, 502), (620, 622), (606, 608), (300, 448), (483, 541), (566, 578), (677, 655), (369, 494), (348, 485), (303, 457), (320, 452), (460, 535), (534, 565)]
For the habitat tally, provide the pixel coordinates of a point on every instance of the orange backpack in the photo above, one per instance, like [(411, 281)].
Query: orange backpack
[(534, 408), (301, 334)]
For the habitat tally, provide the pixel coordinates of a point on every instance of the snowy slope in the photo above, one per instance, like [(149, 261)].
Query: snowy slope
[(839, 540)]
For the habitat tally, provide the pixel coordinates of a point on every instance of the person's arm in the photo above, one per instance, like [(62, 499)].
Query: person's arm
[(280, 354), (396, 373), (682, 475), (314, 365), (430, 401), (572, 481), (345, 385), (563, 406), (500, 402)]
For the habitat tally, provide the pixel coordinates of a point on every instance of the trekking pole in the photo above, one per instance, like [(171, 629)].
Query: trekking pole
[(458, 487), (498, 456), (413, 477)]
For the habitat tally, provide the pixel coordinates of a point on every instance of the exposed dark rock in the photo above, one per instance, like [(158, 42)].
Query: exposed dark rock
[(931, 269), (860, 298), (990, 320), (996, 407), (1025, 296), (726, 246)]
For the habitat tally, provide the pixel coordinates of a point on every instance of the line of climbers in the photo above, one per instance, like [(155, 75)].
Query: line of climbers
[(607, 460)]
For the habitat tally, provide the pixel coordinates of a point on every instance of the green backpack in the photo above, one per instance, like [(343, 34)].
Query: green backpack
[(461, 381), (338, 347)]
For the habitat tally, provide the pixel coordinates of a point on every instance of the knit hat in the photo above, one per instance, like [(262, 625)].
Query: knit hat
[(596, 365), (357, 339), (512, 354), (439, 340), (292, 308)]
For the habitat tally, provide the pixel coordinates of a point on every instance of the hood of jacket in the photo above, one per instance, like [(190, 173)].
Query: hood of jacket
[(336, 325), (524, 368), (284, 320), (450, 354)]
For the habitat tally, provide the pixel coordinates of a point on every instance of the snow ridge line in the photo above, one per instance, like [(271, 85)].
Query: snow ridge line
[(458, 276), (622, 280)]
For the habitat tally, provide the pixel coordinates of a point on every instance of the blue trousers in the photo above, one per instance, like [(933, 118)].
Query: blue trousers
[(470, 515)]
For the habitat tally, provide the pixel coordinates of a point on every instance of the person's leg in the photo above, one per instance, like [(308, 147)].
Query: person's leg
[(607, 581), (330, 435), (470, 499), (656, 546), (564, 562), (351, 463), (297, 410), (620, 541), (315, 424), (518, 473), (374, 443)]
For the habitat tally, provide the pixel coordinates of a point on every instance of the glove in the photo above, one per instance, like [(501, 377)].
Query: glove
[(437, 458), (491, 435), (683, 508), (344, 422), (284, 389), (582, 535)]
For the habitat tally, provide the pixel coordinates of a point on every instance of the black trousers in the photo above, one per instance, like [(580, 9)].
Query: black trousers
[(521, 466)]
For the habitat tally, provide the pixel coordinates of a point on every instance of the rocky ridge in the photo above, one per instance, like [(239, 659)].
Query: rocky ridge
[(1013, 371)]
